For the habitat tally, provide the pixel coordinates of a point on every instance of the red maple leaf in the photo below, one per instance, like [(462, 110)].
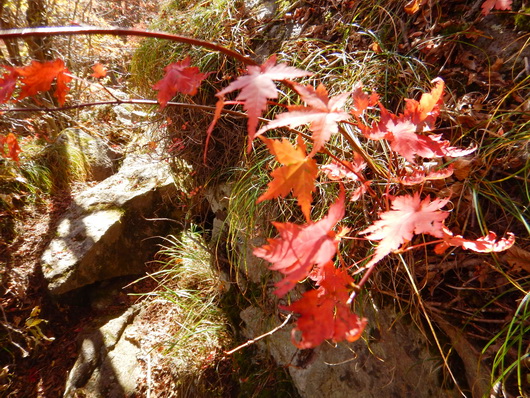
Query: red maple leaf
[(360, 191), (408, 216), (485, 244), (99, 71), (13, 149), (488, 5), (257, 86), (361, 101), (322, 114), (345, 170), (404, 140), (401, 131), (39, 76), (298, 173), (419, 175), (324, 312), (180, 77), (7, 84), (299, 247)]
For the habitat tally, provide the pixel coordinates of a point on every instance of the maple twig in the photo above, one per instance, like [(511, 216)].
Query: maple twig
[(96, 30), (361, 283), (250, 342), (118, 102), (346, 134)]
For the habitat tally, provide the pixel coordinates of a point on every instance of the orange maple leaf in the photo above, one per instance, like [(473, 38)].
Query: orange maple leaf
[(408, 216), (99, 71), (180, 77), (361, 101), (322, 114), (257, 86), (13, 149), (298, 173), (324, 312), (39, 76), (299, 247), (7, 84), (426, 110)]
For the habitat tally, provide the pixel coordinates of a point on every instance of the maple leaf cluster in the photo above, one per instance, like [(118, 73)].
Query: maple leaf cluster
[(309, 251), (39, 77), (413, 6)]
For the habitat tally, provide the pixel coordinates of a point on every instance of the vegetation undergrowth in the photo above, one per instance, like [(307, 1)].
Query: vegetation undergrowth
[(198, 329)]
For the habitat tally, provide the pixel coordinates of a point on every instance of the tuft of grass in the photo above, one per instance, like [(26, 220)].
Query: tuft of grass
[(511, 365), (189, 281)]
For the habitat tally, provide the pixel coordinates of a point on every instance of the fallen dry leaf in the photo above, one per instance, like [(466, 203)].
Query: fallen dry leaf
[(518, 259)]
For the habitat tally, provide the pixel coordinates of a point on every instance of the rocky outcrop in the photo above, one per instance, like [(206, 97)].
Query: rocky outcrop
[(107, 365), (108, 230)]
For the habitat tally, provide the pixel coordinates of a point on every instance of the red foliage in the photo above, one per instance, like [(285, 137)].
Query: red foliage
[(345, 170), (7, 84), (409, 216), (13, 149), (486, 244), (489, 5), (180, 77), (308, 251), (322, 114), (257, 86), (402, 131), (324, 314), (38, 77), (299, 247)]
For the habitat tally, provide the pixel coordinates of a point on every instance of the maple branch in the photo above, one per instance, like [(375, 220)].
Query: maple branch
[(269, 333), (95, 30), (357, 148), (118, 102)]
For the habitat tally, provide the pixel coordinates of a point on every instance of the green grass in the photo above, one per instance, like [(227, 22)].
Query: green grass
[(511, 365), (199, 332), (207, 20)]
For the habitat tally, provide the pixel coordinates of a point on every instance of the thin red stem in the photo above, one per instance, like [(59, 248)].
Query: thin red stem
[(95, 30), (117, 102)]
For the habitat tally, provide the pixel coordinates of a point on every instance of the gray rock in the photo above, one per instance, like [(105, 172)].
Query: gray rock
[(107, 364), (92, 153), (260, 9), (108, 229), (394, 362)]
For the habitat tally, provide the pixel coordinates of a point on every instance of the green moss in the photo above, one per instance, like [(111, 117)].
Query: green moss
[(522, 19)]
